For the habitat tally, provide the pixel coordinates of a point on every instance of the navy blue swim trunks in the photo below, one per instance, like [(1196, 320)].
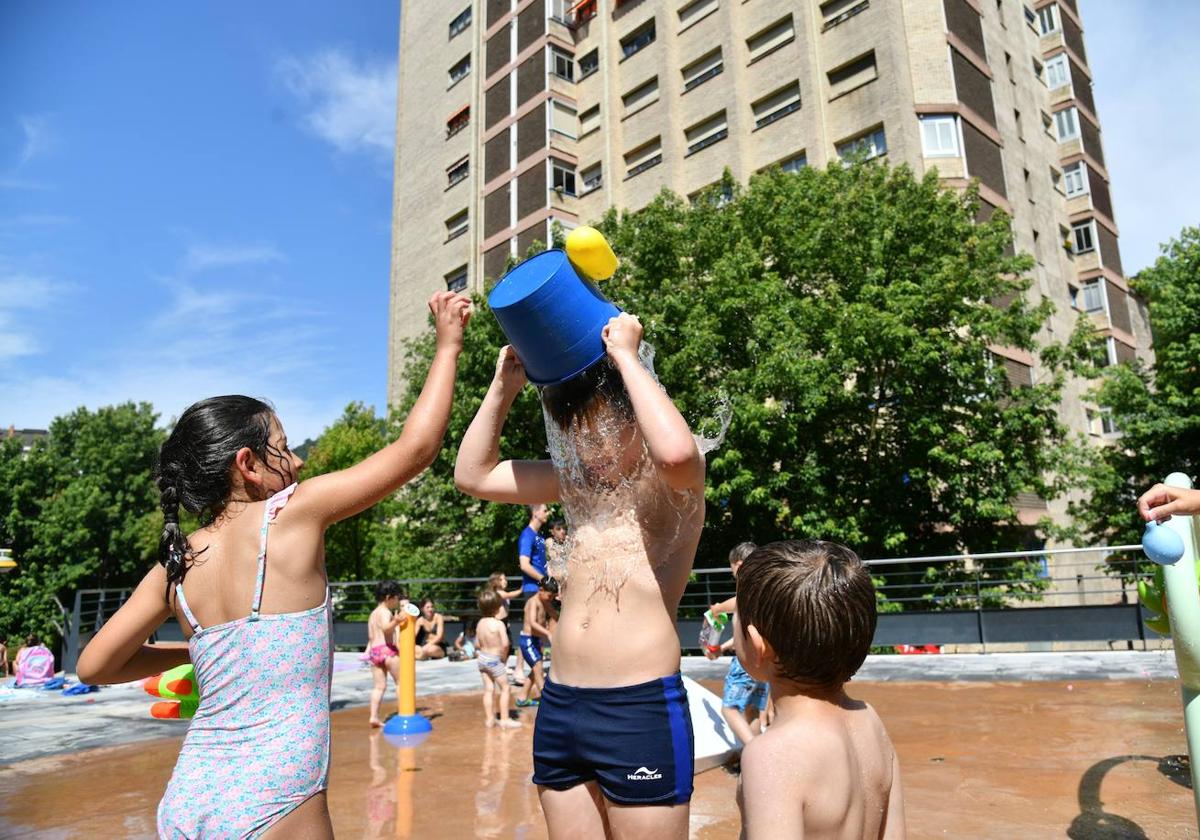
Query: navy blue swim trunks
[(531, 649), (634, 741)]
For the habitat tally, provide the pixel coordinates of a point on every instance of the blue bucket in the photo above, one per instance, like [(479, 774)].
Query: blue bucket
[(552, 317)]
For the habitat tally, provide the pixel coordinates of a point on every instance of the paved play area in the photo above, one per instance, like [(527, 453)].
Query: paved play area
[(1003, 745)]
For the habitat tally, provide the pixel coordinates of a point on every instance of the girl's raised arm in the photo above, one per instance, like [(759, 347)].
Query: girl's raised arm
[(479, 472), (340, 495), (118, 652)]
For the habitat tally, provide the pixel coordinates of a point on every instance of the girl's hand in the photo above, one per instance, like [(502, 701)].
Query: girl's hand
[(622, 334), (510, 373), (451, 312), (1160, 502)]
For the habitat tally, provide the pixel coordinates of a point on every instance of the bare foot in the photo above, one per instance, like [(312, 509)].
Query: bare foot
[(489, 723), (375, 722), (509, 724)]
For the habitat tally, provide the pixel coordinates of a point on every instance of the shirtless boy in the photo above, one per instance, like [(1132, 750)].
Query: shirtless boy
[(826, 767), (612, 747), (492, 654), (538, 612), (381, 647)]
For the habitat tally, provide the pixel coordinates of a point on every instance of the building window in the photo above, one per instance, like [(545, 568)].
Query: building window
[(456, 280), (563, 119), (1076, 179), (562, 177), (1108, 426), (638, 40), (592, 178), (1056, 179), (1067, 124), (589, 121), (644, 94), (643, 157), (871, 145), (562, 64), (456, 225), (1058, 72), (458, 122), (834, 12), (691, 12), (458, 172), (771, 38), (702, 69), (1048, 125), (1048, 19), (777, 105), (939, 135), (461, 22), (1110, 352), (1083, 235), (589, 64), (460, 70), (1008, 67), (794, 163), (850, 76), (1039, 71), (714, 195), (706, 133)]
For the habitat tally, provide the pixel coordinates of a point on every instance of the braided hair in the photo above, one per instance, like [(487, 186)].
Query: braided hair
[(194, 468)]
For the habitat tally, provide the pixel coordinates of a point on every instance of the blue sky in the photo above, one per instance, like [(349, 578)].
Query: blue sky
[(196, 199)]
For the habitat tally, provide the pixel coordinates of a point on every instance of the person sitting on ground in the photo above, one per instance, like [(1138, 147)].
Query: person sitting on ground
[(1161, 502), (431, 632), (465, 644), (536, 630), (493, 650), (631, 478), (745, 700), (826, 768), (382, 652), (34, 665)]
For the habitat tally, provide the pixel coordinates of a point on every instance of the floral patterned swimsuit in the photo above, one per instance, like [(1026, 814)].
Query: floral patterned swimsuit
[(258, 745)]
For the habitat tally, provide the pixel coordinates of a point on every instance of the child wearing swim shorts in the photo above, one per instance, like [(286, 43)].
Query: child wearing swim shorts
[(492, 655), (381, 648), (538, 611), (250, 591)]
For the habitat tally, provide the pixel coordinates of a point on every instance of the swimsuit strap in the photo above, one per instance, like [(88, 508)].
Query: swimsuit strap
[(187, 611), (274, 505)]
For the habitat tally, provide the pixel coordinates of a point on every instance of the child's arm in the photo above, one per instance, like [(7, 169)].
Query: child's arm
[(893, 827), (536, 619), (439, 630), (479, 472), (726, 606), (339, 495), (118, 652), (667, 435), (516, 593), (1161, 502)]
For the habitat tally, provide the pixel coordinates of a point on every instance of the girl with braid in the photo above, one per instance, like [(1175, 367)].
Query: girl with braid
[(255, 759)]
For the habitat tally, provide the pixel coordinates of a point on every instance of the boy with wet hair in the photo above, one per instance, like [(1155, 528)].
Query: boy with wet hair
[(382, 652), (826, 767), (538, 614)]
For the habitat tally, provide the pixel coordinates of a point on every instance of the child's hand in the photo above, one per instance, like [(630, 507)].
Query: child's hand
[(510, 373), (451, 312), (622, 334), (1160, 502)]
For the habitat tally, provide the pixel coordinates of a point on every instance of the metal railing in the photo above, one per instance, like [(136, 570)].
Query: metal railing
[(1092, 578)]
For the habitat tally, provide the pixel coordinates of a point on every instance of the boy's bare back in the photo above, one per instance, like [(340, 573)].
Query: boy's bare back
[(492, 636), (824, 769)]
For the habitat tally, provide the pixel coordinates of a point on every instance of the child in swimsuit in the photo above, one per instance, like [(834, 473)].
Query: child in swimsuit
[(249, 588), (613, 725), (492, 657), (381, 650), (536, 630)]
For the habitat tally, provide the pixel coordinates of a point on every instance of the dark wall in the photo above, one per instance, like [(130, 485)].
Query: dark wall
[(526, 238), (973, 87), (531, 78), (496, 10), (1019, 375), (983, 158), (496, 156), (964, 22), (494, 261), (531, 133), (1091, 139), (1110, 254), (531, 191), (1101, 199), (496, 102), (1082, 86), (531, 24), (495, 211), (1118, 307), (499, 51), (1073, 37), (1125, 353)]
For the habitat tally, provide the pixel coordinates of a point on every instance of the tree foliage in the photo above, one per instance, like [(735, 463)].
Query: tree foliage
[(1157, 407)]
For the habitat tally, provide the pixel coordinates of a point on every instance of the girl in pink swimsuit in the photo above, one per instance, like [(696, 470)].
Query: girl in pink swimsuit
[(256, 757)]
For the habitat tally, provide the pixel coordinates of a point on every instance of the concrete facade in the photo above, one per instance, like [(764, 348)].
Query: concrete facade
[(575, 107)]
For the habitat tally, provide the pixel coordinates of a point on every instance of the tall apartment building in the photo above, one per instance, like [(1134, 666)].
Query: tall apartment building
[(516, 114)]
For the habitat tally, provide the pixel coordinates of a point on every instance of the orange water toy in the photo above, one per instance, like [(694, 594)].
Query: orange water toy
[(180, 693)]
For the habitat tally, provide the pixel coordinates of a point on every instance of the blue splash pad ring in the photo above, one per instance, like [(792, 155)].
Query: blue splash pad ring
[(552, 317), (407, 726)]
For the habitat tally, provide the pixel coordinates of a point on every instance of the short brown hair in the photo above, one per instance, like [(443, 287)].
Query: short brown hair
[(489, 603), (814, 602), (741, 551), (575, 402)]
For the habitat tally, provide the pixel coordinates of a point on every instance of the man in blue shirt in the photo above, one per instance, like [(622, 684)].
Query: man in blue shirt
[(531, 550)]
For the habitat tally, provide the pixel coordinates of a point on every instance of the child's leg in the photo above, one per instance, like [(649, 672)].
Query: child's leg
[(753, 718), (489, 689), (737, 723), (379, 677), (665, 821), (505, 695), (539, 677)]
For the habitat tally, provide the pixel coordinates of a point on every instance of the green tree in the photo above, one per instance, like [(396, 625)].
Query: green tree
[(845, 316), (351, 545), (80, 510), (1157, 407)]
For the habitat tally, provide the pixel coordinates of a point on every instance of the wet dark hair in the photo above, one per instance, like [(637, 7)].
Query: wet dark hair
[(386, 589), (193, 467), (548, 584), (575, 401), (426, 600), (741, 551), (489, 603), (814, 602), (32, 640), (557, 523)]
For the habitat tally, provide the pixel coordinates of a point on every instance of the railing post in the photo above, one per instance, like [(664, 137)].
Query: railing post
[(979, 609), (71, 643), (1183, 607)]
